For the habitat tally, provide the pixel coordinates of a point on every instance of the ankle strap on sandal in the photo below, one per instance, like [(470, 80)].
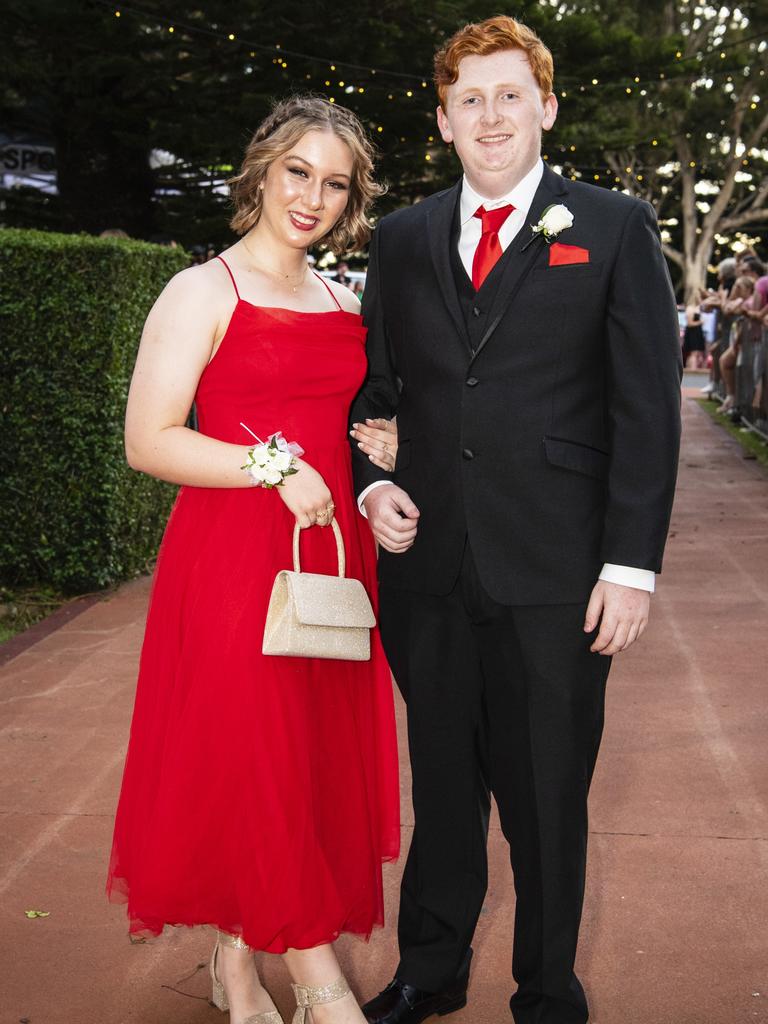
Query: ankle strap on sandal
[(311, 995)]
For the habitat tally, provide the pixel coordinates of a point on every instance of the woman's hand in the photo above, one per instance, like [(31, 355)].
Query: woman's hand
[(307, 496), (378, 440)]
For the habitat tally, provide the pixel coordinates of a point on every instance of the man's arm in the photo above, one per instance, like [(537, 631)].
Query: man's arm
[(392, 515), (379, 394), (643, 373)]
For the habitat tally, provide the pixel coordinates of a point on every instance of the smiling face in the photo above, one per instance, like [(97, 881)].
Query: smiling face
[(494, 116), (307, 188)]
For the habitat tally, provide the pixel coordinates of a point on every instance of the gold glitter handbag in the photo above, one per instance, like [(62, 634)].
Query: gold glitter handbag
[(315, 616)]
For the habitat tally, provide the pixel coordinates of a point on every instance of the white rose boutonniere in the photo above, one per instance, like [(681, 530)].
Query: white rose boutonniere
[(554, 220)]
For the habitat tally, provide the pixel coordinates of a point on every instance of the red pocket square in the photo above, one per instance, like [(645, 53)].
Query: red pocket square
[(562, 255)]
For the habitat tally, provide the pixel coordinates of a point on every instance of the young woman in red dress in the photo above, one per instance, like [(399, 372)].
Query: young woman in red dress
[(260, 794)]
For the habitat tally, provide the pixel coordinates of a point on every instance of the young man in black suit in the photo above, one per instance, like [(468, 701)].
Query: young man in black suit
[(528, 345)]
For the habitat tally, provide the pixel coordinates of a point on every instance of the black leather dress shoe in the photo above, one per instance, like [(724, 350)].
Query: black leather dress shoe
[(401, 1003)]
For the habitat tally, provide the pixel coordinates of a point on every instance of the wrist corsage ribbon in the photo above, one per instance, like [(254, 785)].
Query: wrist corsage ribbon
[(271, 461)]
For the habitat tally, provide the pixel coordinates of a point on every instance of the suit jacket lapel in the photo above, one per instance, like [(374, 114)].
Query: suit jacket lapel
[(439, 228), (519, 264)]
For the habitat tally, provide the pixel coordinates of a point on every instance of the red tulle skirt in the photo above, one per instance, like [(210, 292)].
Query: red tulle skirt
[(260, 794)]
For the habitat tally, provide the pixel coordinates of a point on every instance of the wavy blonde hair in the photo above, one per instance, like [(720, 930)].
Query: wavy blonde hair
[(287, 122), (491, 36)]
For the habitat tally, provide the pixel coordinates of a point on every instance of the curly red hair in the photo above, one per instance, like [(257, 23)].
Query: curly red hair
[(490, 36)]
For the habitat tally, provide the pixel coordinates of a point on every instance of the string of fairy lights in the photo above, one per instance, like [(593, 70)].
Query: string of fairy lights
[(350, 80)]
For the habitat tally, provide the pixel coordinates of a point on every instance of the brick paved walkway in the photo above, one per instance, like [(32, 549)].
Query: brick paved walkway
[(675, 920)]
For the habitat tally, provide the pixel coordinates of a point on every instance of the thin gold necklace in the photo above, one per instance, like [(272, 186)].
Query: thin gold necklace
[(276, 273)]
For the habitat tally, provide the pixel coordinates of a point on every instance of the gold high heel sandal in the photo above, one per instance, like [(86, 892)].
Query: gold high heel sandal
[(219, 996), (307, 996)]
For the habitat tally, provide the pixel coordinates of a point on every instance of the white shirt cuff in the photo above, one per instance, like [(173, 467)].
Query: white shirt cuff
[(364, 494), (626, 576)]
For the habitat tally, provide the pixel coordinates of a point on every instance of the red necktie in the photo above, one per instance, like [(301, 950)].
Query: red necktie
[(488, 248)]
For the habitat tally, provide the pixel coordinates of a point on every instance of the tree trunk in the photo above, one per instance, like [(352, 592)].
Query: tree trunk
[(695, 272)]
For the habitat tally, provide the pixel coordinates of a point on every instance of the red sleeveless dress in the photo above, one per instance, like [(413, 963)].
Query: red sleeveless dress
[(260, 794)]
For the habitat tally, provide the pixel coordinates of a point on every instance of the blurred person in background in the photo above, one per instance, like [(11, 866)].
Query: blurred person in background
[(342, 275), (693, 339), (755, 310), (712, 302), (749, 263), (733, 308)]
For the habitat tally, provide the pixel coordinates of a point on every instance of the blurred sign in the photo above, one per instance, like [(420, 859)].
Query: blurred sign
[(27, 161)]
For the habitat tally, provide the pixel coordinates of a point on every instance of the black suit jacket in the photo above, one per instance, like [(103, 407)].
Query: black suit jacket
[(553, 447)]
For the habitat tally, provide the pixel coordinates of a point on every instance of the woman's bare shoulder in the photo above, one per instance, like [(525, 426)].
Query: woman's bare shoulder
[(201, 294), (201, 284), (346, 298)]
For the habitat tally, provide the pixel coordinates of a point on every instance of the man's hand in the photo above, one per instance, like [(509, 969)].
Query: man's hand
[(393, 517), (622, 613)]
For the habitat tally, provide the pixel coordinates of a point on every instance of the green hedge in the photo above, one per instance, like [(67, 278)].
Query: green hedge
[(73, 515)]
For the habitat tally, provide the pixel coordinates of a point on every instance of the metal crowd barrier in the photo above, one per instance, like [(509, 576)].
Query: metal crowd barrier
[(751, 396)]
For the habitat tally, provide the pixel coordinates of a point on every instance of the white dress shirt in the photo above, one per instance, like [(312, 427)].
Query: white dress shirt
[(521, 197)]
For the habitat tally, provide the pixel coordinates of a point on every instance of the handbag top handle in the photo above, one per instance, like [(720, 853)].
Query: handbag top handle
[(339, 548)]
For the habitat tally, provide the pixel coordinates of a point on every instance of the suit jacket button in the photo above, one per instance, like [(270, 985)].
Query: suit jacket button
[(467, 454), (476, 311), (472, 382)]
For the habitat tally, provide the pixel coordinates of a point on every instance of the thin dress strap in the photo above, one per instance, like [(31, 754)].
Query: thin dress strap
[(330, 291), (231, 275)]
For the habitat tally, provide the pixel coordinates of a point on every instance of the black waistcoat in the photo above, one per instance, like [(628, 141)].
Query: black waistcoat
[(476, 306)]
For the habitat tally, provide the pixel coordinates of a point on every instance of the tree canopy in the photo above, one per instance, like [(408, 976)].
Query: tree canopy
[(149, 107)]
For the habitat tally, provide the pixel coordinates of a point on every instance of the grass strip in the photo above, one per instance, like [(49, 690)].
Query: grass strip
[(21, 608), (751, 443)]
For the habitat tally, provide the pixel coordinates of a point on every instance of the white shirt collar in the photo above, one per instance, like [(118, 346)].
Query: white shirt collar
[(521, 196)]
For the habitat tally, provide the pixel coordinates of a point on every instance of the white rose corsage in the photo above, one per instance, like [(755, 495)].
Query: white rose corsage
[(271, 461), (554, 220)]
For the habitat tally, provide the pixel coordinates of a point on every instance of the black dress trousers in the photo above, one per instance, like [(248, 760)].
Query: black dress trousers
[(502, 700)]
